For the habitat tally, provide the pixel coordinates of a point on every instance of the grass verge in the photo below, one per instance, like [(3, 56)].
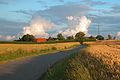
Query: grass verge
[(70, 68)]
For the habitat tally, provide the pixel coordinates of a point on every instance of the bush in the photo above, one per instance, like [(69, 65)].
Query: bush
[(54, 48)]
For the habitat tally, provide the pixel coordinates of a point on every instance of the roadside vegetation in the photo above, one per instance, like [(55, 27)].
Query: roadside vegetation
[(100, 61)]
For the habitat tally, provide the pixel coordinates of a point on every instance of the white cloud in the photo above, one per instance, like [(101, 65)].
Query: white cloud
[(38, 27), (82, 25), (70, 18), (118, 33)]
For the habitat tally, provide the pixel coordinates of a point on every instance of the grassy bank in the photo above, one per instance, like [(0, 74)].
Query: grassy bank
[(97, 62), (13, 51), (70, 68)]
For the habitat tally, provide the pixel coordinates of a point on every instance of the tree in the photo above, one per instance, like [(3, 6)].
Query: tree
[(100, 37), (50, 39), (80, 37), (109, 37), (114, 37), (60, 37), (27, 38), (70, 38), (91, 37)]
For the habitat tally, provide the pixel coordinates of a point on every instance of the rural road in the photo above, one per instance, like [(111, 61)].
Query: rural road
[(32, 68)]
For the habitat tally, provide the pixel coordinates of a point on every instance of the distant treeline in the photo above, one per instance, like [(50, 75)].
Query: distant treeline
[(79, 37), (49, 42)]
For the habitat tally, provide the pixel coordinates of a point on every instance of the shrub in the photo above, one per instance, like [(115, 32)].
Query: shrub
[(54, 48)]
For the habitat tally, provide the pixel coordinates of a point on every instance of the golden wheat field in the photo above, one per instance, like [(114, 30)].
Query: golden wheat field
[(4, 48), (109, 55)]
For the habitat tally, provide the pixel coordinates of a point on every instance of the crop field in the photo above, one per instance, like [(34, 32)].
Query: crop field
[(109, 58), (100, 61), (17, 50)]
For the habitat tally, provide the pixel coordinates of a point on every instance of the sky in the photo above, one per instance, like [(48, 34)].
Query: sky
[(16, 15)]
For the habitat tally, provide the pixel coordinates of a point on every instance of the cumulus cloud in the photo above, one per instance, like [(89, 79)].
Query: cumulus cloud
[(7, 37), (118, 33), (82, 25), (38, 27), (70, 17)]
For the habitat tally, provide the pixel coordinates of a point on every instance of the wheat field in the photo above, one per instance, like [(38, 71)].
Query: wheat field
[(99, 61), (13, 51), (4, 48), (109, 57)]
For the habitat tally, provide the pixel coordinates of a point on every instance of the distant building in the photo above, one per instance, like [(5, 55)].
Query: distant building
[(40, 40)]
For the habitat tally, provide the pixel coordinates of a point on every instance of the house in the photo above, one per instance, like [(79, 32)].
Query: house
[(40, 40)]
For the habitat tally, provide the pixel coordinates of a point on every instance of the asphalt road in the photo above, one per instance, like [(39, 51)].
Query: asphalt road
[(32, 68)]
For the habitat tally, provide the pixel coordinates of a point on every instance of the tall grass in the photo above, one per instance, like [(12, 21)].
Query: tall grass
[(68, 69)]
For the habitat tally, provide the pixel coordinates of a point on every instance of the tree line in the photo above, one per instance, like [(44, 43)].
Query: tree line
[(79, 37)]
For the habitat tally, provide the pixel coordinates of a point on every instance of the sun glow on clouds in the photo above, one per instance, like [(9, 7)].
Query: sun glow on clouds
[(118, 33)]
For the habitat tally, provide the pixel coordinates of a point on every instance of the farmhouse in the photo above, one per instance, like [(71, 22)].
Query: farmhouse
[(40, 40)]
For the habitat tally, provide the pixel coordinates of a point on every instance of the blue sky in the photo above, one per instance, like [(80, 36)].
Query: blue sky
[(15, 14)]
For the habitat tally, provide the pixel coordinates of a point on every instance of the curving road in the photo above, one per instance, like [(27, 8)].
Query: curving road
[(32, 68)]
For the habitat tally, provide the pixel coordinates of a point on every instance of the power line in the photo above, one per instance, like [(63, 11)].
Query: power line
[(98, 29)]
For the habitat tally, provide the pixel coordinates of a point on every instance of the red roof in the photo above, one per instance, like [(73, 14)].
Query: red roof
[(41, 40)]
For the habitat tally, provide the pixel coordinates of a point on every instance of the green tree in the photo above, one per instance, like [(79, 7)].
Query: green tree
[(100, 37), (28, 38), (70, 38), (50, 39), (114, 37), (80, 37), (91, 37), (60, 37), (109, 37)]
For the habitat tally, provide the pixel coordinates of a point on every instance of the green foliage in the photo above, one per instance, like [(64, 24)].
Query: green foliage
[(70, 68), (109, 37), (50, 39), (70, 38), (28, 38), (60, 37), (114, 37), (91, 37), (80, 37), (100, 37), (54, 48)]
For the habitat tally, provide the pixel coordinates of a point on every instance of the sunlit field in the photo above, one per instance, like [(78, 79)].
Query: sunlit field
[(108, 57), (99, 61), (18, 50)]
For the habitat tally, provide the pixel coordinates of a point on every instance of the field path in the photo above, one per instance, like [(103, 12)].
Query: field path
[(32, 68)]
